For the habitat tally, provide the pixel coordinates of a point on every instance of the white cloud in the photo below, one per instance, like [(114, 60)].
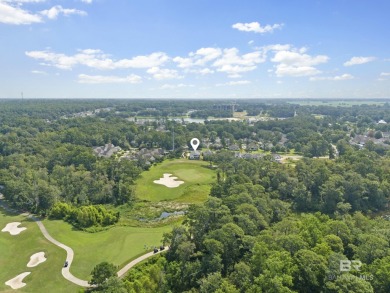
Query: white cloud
[(256, 27), (233, 64), (175, 86), (23, 1), (205, 71), (200, 58), (276, 47), (345, 76), (87, 1), (97, 79), (16, 15), (38, 72), (152, 60), (53, 12), (97, 59), (12, 12), (223, 60), (359, 60), (233, 83), (163, 73), (297, 63), (385, 73)]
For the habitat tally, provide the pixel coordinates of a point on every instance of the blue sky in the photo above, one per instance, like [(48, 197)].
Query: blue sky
[(194, 49)]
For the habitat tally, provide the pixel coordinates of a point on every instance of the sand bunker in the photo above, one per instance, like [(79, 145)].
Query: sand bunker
[(168, 181), (36, 259), (13, 229), (16, 282)]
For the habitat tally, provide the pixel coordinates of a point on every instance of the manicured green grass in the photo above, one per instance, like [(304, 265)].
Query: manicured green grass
[(15, 252), (117, 245), (195, 174)]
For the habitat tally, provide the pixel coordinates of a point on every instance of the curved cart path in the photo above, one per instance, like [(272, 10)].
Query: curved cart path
[(131, 264), (70, 254)]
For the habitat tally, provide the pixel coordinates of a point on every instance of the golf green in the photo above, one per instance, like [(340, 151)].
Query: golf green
[(196, 175)]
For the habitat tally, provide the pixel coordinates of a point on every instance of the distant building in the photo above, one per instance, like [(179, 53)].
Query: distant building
[(225, 107), (382, 122), (252, 147), (277, 158), (107, 150), (234, 147), (195, 155)]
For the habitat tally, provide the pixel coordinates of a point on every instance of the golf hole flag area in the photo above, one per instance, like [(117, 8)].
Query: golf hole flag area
[(179, 180), (169, 181)]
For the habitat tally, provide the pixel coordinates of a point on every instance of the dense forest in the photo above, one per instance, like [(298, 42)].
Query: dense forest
[(266, 226)]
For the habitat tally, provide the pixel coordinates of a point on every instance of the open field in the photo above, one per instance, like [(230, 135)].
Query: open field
[(15, 253), (195, 174), (117, 245)]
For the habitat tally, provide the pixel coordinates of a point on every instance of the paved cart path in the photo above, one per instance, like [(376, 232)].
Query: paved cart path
[(70, 254)]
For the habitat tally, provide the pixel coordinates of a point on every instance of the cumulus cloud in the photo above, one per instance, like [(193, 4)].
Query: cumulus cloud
[(228, 60), (87, 1), (163, 73), (97, 59), (277, 47), (359, 60), (175, 86), (152, 60), (16, 15), (256, 27), (385, 73), (198, 58), (38, 72), (55, 11), (345, 76), (12, 12), (97, 79), (297, 63), (233, 83), (24, 1), (233, 64), (205, 71)]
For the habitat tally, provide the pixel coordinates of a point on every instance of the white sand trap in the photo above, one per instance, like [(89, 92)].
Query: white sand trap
[(16, 282), (13, 229), (168, 181), (36, 259)]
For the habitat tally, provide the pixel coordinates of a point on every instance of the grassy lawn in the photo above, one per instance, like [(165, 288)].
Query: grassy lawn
[(117, 245), (197, 182), (15, 252)]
